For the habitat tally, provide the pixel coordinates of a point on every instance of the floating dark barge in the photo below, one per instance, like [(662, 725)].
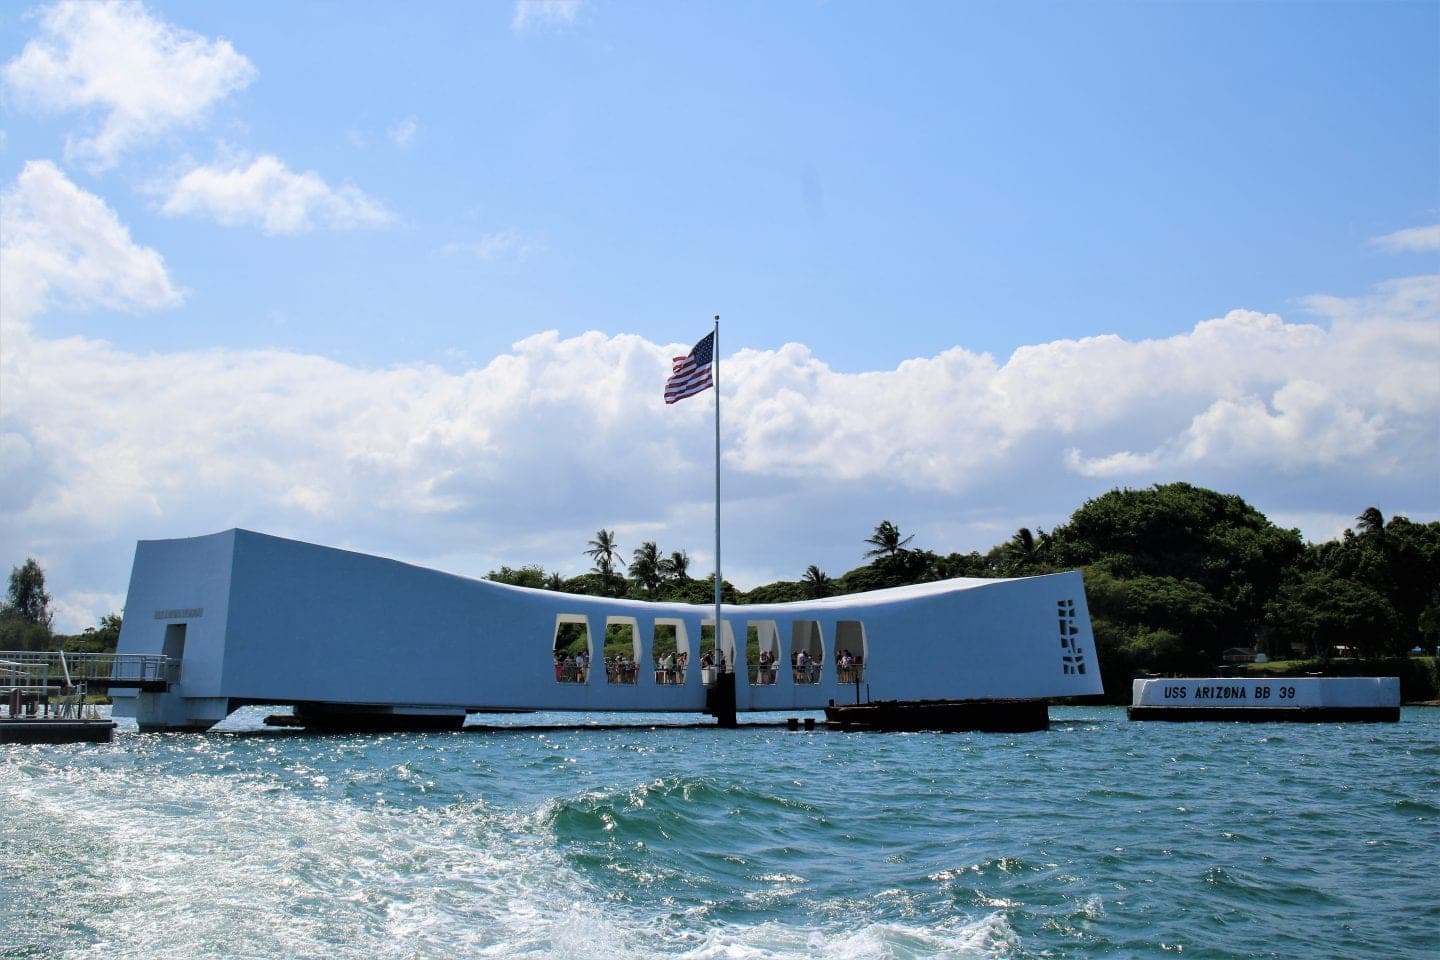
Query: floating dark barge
[(984, 716), (50, 730)]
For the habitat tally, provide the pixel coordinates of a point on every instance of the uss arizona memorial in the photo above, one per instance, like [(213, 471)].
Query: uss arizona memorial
[(349, 638)]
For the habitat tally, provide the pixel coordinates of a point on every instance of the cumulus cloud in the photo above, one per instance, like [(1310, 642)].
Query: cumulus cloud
[(267, 194), (1244, 395), (1410, 240), (141, 75), (521, 460), (530, 14), (63, 246)]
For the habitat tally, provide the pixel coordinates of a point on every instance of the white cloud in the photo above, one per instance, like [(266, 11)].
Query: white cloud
[(271, 196), (60, 245), (1250, 393), (143, 75), (402, 133), (521, 460), (83, 608), (1244, 392), (1411, 240), (503, 245), (530, 14)]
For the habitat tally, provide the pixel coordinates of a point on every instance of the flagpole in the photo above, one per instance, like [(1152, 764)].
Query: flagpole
[(715, 367)]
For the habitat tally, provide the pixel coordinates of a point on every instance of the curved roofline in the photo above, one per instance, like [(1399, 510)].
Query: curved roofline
[(868, 598)]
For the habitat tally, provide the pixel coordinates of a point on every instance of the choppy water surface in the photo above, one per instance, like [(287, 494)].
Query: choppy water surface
[(1100, 838)]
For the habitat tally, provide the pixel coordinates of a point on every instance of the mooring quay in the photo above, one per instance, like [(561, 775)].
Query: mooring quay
[(42, 693)]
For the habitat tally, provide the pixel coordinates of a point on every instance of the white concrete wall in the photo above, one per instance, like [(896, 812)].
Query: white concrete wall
[(277, 621), (1269, 693), (180, 582)]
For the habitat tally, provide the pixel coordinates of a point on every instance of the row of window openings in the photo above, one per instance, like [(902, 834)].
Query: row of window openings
[(671, 656)]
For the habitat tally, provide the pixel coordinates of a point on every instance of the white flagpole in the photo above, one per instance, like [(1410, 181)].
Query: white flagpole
[(715, 375)]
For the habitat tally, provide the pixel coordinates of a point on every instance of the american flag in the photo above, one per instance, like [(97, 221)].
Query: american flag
[(691, 373)]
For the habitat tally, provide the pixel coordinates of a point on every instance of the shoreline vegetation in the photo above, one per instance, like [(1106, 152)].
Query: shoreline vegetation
[(1180, 581)]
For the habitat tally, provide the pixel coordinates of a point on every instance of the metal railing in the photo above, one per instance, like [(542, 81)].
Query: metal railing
[(763, 674), (50, 669)]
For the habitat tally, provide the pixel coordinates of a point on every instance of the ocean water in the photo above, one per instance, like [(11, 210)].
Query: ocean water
[(1099, 838)]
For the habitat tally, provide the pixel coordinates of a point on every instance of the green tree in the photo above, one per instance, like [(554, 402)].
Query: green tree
[(1391, 569), (862, 579), (102, 639), (892, 563), (605, 554), (817, 582), (20, 634), (728, 593), (1414, 557), (28, 599), (676, 567), (781, 591), (1371, 522), (886, 541), (646, 567), (588, 584), (1329, 614), (1023, 554), (953, 565), (530, 575), (1179, 532)]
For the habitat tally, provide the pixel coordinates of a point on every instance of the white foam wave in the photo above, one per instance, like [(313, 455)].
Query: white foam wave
[(988, 937), (186, 867), (166, 866)]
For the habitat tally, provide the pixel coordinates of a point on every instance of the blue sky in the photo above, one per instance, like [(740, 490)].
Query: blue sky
[(407, 278)]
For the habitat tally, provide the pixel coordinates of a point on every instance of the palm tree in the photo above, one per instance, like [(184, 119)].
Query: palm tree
[(1371, 521), (1022, 550), (676, 566), (603, 551), (646, 566), (555, 581), (886, 541), (817, 582)]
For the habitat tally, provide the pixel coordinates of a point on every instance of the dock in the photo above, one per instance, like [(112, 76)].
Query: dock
[(42, 693)]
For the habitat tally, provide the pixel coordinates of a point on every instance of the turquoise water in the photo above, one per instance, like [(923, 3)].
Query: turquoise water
[(1100, 838)]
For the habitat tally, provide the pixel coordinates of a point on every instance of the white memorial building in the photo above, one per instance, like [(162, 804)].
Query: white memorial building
[(343, 637)]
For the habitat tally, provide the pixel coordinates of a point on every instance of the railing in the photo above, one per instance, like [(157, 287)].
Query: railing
[(621, 671), (569, 672), (52, 668), (566, 671), (673, 675), (804, 673)]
